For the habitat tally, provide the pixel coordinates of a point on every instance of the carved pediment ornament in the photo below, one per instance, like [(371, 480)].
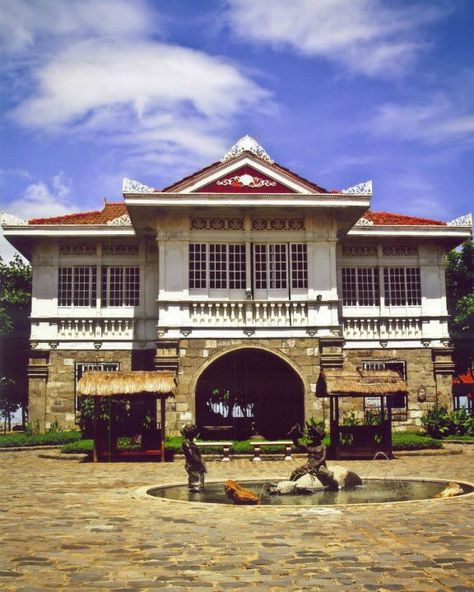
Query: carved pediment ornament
[(10, 220), (130, 186), (364, 222), (246, 181), (360, 189), (123, 220), (465, 220), (246, 144)]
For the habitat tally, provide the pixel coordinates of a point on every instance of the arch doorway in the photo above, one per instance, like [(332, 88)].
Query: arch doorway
[(252, 390)]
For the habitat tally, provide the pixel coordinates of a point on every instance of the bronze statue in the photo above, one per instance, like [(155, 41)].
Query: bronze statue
[(194, 465), (316, 450)]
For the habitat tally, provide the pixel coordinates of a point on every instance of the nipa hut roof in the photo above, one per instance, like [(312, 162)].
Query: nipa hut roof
[(109, 384), (363, 382)]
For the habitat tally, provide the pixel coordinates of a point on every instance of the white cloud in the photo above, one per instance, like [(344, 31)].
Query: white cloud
[(25, 22), (434, 121), (150, 98), (366, 36)]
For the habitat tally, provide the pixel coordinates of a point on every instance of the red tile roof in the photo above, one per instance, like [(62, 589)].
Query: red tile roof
[(387, 219), (215, 166), (109, 212)]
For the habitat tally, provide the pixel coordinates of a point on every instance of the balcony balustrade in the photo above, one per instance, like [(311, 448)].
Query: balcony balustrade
[(244, 313), (95, 328), (383, 328)]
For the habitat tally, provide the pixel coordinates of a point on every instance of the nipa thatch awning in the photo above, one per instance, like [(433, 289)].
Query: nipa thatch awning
[(109, 384), (363, 382)]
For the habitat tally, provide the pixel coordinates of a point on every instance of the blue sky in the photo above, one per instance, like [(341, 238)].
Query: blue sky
[(340, 91)]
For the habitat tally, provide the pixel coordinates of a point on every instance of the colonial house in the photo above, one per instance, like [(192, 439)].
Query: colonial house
[(247, 280)]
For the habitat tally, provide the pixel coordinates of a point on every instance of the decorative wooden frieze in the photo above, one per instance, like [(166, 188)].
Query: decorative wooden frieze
[(120, 249), (246, 181), (131, 186), (10, 220), (359, 251), (77, 249), (278, 224), (217, 223), (360, 189), (364, 222), (400, 250), (465, 220), (123, 220), (246, 144)]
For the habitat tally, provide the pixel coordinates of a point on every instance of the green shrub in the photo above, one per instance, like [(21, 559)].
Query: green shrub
[(413, 441), (441, 423), (26, 439), (80, 447)]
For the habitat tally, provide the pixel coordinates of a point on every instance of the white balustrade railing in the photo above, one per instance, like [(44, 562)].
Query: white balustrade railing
[(95, 328), (254, 313), (380, 328)]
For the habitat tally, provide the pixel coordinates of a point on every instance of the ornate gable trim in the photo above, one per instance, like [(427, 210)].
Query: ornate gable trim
[(360, 189), (123, 220), (10, 220), (465, 220), (246, 144), (131, 186)]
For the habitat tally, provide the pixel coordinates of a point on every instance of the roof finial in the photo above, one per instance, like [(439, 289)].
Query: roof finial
[(246, 144)]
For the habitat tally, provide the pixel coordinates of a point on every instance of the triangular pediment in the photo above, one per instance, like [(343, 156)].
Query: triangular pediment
[(245, 179)]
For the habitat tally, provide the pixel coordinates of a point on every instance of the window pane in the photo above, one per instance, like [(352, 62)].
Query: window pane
[(217, 266), (132, 286), (395, 288), (413, 283), (278, 266), (349, 291), (197, 265), (299, 266), (116, 286), (65, 286), (260, 267), (237, 267)]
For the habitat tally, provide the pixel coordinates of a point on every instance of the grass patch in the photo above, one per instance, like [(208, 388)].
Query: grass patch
[(49, 438), (400, 440), (463, 438), (414, 441)]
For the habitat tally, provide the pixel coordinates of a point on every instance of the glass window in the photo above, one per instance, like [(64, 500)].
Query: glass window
[(77, 286), (360, 286), (402, 286), (120, 286)]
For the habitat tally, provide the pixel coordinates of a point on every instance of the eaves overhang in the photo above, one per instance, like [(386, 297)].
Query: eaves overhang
[(451, 236), (22, 236), (183, 200)]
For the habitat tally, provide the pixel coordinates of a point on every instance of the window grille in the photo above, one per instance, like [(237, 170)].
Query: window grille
[(398, 403), (77, 286), (402, 286), (360, 286), (120, 286), (299, 266)]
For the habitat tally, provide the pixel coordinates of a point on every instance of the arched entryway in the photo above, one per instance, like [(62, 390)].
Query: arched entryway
[(252, 390)]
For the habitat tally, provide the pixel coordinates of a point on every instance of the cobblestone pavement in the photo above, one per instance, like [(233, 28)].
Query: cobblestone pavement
[(73, 526)]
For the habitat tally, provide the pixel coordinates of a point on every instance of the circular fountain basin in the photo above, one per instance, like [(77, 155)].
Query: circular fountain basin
[(371, 491)]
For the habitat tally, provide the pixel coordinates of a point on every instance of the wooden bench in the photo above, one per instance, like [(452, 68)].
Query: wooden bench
[(257, 446), (226, 446)]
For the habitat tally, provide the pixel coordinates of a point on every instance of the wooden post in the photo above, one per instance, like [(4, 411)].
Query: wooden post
[(95, 454), (163, 425)]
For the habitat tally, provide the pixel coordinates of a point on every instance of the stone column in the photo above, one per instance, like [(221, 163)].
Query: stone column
[(38, 369), (443, 367)]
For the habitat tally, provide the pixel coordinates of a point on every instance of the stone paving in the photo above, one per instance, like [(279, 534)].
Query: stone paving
[(73, 526)]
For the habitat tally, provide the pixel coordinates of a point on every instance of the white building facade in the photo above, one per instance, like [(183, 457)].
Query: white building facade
[(243, 278)]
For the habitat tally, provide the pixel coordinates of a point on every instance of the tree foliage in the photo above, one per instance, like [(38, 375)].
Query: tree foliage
[(460, 298), (15, 306)]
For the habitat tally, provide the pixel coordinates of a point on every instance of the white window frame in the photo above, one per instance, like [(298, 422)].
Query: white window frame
[(402, 286), (70, 291), (128, 286), (217, 269), (280, 270), (356, 280)]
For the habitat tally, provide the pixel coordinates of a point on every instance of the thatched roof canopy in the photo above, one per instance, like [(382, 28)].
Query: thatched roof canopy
[(360, 383), (110, 384)]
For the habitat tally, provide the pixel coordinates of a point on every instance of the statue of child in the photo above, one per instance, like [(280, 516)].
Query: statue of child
[(316, 450), (194, 465)]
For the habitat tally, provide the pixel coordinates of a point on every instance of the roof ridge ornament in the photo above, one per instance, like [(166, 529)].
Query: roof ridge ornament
[(246, 144), (123, 220), (360, 189), (465, 220), (11, 220), (364, 222), (131, 186)]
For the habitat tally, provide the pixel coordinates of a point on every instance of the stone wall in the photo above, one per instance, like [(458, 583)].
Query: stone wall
[(195, 355), (52, 383)]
